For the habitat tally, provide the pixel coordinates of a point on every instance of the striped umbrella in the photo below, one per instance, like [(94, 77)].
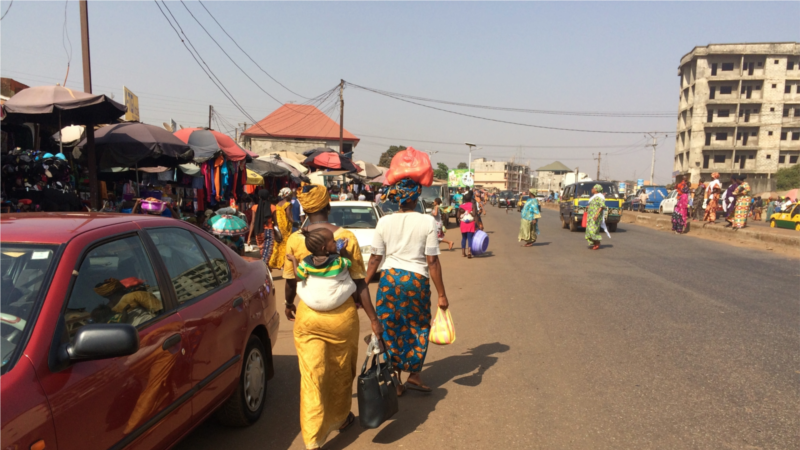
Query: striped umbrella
[(226, 225)]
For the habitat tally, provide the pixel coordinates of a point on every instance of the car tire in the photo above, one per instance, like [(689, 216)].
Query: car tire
[(564, 223), (612, 227), (572, 225), (246, 404)]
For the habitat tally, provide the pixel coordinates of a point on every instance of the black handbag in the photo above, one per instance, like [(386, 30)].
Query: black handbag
[(377, 392)]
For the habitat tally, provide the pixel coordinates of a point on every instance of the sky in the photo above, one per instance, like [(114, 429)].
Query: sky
[(555, 56)]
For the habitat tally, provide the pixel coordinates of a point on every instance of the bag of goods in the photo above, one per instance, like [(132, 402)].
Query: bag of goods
[(153, 205), (443, 332), (410, 163)]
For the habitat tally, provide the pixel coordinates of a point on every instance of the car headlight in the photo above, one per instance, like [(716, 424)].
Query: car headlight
[(580, 210), (366, 249)]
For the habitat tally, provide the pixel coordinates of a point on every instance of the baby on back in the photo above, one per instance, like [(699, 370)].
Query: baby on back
[(323, 277)]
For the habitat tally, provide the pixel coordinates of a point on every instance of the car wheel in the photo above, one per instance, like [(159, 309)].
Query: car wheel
[(564, 223), (572, 225), (612, 227), (244, 407)]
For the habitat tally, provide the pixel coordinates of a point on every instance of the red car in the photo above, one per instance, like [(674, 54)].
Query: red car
[(123, 331)]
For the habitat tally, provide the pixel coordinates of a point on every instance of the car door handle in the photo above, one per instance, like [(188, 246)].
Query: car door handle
[(171, 341), (238, 302)]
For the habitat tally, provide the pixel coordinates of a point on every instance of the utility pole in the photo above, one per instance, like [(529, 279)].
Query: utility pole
[(599, 156), (210, 113), (653, 162), (94, 201), (341, 116)]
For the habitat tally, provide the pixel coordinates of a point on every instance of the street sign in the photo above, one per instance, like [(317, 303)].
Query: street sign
[(622, 186), (640, 182), (460, 178), (131, 104)]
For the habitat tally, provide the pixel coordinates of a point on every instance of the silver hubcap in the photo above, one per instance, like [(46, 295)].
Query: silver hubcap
[(254, 380)]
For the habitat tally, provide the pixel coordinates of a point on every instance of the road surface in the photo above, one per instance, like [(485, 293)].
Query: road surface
[(655, 341)]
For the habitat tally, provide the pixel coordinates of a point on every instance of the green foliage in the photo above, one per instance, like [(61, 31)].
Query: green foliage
[(788, 178), (462, 165), (441, 171), (386, 157)]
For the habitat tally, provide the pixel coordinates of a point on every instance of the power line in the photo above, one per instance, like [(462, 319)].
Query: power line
[(65, 33), (7, 10), (246, 54), (461, 144), (577, 130)]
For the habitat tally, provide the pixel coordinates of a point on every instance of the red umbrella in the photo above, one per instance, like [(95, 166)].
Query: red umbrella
[(331, 160), (213, 141)]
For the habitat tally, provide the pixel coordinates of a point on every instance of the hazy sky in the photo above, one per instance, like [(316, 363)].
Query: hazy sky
[(607, 57)]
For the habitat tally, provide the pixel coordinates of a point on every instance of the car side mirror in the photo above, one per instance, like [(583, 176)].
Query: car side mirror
[(103, 341)]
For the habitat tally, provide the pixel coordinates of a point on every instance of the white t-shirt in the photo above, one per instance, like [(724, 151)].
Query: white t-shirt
[(711, 186), (404, 240)]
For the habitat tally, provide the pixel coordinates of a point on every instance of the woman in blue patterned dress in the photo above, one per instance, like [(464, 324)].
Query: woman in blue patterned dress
[(407, 243), (529, 225)]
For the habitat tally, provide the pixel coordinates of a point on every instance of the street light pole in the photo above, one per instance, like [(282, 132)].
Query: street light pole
[(87, 87), (471, 146)]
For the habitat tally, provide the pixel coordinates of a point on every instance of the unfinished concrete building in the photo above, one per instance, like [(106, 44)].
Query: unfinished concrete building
[(739, 111)]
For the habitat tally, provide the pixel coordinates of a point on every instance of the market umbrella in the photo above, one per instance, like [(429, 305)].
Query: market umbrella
[(315, 151), (331, 160), (136, 144), (226, 225), (267, 169), (291, 157), (207, 143), (370, 170), (58, 106), (254, 178), (293, 170)]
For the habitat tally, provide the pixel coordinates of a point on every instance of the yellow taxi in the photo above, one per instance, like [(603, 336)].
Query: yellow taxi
[(788, 219)]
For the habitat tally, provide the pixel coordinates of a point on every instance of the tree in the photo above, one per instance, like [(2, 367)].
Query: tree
[(441, 171), (386, 157), (462, 165), (788, 178)]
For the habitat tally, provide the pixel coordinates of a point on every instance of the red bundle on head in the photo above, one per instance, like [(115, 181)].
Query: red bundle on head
[(413, 164)]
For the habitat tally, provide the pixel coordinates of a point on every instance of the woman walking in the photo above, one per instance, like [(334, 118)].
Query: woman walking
[(467, 217), (681, 212), (712, 206), (742, 209), (437, 215), (595, 217), (262, 224), (529, 224), (770, 208), (729, 201), (406, 242), (326, 341), (283, 220)]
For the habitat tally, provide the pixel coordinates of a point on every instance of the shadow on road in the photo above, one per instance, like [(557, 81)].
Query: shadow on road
[(540, 244), (466, 369)]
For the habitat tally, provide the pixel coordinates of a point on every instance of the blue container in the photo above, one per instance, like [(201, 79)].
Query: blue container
[(480, 243)]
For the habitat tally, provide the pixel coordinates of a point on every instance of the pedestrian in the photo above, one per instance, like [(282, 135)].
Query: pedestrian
[(407, 243), (529, 223), (326, 341), (681, 213), (643, 197), (758, 208), (466, 217), (712, 205), (437, 215), (297, 212), (699, 201), (787, 203), (262, 224), (283, 222), (594, 219), (729, 201), (742, 208), (770, 208)]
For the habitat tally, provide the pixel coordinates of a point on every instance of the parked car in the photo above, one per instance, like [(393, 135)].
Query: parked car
[(789, 219), (667, 205), (127, 331), (521, 202), (627, 205), (575, 200), (655, 194), (361, 218)]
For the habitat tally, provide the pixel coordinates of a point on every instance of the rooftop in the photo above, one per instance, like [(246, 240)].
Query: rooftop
[(292, 121), (754, 48), (557, 166)]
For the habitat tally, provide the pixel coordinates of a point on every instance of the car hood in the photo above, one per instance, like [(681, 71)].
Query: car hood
[(364, 235)]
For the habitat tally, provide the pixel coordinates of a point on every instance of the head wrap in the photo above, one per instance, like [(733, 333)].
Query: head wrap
[(285, 192), (715, 175), (598, 188), (532, 191), (741, 177), (313, 198), (404, 190)]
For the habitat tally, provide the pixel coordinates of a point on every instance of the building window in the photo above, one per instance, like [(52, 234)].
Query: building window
[(722, 136), (723, 113), (758, 87), (783, 135), (769, 156), (760, 64), (769, 133), (727, 67), (793, 159), (719, 159), (796, 136), (777, 62), (787, 89), (789, 65), (725, 89), (753, 133), (774, 86), (708, 138), (772, 110), (705, 161), (781, 159), (713, 93), (751, 156), (785, 112), (713, 69)]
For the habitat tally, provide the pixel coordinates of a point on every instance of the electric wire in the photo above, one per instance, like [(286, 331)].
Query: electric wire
[(7, 10), (65, 34)]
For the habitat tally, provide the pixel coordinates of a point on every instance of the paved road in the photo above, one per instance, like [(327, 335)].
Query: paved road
[(655, 341)]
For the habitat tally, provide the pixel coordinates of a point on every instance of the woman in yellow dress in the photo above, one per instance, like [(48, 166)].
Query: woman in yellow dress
[(326, 341), (283, 220)]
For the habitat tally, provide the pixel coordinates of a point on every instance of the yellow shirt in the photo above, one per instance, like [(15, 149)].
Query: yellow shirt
[(296, 245)]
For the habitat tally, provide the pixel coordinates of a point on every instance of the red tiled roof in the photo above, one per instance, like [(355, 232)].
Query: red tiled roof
[(298, 121)]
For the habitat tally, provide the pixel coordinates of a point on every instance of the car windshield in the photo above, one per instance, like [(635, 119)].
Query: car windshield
[(585, 189), (389, 207), (24, 267), (352, 216), (431, 192)]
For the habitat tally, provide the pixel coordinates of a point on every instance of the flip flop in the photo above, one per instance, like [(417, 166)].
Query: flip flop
[(351, 419), (416, 387)]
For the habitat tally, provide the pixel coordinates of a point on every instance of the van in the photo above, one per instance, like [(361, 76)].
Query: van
[(575, 199)]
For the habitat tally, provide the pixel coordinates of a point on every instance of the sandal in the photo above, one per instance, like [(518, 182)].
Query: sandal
[(402, 390), (351, 419), (417, 387)]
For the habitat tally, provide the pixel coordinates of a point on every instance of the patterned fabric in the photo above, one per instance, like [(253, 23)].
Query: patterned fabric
[(742, 205), (595, 217), (681, 212), (531, 209), (296, 245), (403, 305), (313, 198), (711, 208), (528, 231), (404, 190), (267, 244), (332, 267), (278, 258), (598, 188)]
